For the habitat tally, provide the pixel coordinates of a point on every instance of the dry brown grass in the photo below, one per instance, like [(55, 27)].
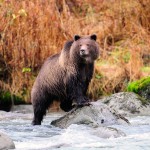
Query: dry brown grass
[(30, 31)]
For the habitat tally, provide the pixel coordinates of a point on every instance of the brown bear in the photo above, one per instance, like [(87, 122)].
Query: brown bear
[(65, 76)]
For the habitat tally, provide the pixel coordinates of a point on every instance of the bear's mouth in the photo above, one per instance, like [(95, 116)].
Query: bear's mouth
[(87, 59)]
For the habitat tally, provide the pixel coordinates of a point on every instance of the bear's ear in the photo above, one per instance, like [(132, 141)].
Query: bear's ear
[(93, 37), (76, 37)]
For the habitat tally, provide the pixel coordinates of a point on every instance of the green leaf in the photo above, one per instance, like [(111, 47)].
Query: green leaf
[(24, 70), (98, 76)]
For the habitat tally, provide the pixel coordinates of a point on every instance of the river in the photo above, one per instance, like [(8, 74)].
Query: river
[(76, 137)]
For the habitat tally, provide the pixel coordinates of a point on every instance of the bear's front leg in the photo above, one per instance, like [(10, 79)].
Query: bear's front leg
[(76, 90), (66, 105), (79, 96), (83, 101)]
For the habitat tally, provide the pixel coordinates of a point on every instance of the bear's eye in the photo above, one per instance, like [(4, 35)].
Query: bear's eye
[(88, 45), (80, 45)]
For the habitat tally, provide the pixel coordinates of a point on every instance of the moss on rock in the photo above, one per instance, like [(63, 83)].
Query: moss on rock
[(141, 87)]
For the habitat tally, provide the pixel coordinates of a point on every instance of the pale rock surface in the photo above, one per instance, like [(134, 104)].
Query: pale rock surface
[(6, 142)]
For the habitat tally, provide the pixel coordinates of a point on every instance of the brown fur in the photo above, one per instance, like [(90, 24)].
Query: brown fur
[(65, 76)]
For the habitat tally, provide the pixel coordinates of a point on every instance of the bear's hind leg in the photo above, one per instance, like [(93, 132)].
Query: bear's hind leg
[(39, 113)]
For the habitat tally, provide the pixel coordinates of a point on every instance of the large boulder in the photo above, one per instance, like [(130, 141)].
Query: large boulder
[(145, 92), (6, 142), (108, 111), (97, 114), (127, 104)]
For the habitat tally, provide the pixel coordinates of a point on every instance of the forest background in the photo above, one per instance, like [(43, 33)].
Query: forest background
[(31, 31)]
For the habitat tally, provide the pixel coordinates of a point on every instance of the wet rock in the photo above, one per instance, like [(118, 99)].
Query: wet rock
[(127, 104), (145, 92), (6, 142), (97, 114), (108, 111)]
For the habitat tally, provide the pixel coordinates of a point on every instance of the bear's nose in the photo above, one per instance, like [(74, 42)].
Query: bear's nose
[(82, 51)]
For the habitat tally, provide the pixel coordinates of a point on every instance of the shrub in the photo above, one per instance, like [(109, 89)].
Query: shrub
[(7, 100)]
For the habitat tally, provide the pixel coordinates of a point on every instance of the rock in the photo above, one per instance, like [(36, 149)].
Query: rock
[(22, 109), (6, 142), (107, 132), (127, 104), (145, 92), (97, 114), (106, 112)]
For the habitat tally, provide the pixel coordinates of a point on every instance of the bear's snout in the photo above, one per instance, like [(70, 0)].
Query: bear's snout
[(82, 52)]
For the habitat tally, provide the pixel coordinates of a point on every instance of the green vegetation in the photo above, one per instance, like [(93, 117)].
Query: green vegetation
[(138, 85), (7, 97), (7, 100), (26, 70), (141, 87)]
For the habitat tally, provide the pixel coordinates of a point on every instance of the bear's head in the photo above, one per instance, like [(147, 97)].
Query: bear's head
[(84, 49)]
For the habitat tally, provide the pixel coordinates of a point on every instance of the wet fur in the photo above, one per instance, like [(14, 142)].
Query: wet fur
[(63, 77)]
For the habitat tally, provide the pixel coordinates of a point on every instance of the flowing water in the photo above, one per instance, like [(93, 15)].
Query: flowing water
[(76, 137)]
